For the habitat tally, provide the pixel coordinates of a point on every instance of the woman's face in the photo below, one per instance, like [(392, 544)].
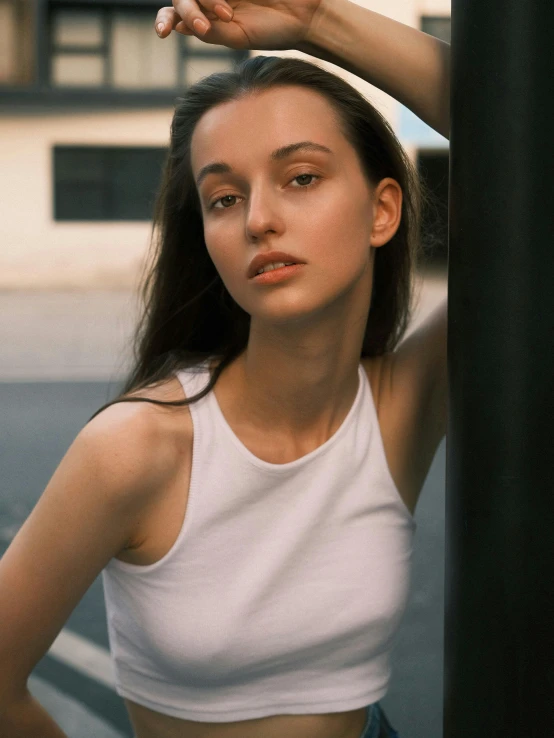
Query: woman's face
[(314, 205)]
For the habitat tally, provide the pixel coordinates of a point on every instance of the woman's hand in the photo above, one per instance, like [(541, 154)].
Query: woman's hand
[(254, 24)]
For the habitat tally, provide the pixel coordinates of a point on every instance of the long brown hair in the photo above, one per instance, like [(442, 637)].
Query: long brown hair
[(188, 315)]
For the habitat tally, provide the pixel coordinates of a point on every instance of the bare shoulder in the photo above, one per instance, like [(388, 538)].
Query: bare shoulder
[(165, 442), (148, 438), (168, 390)]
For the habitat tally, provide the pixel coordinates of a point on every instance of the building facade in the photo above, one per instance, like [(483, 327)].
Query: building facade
[(87, 93)]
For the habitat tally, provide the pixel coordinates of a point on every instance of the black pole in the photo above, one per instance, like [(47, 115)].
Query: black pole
[(499, 625)]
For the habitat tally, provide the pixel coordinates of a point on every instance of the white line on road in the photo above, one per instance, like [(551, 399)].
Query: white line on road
[(83, 655)]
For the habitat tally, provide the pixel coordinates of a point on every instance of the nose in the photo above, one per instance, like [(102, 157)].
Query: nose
[(262, 213)]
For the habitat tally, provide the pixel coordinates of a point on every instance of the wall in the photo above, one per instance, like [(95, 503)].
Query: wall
[(38, 252)]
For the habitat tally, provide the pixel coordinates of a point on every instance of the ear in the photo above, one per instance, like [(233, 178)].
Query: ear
[(387, 211)]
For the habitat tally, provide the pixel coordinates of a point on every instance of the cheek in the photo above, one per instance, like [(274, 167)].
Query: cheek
[(229, 262), (343, 234), (218, 244)]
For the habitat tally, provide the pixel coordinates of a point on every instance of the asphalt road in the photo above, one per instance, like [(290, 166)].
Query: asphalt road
[(46, 397)]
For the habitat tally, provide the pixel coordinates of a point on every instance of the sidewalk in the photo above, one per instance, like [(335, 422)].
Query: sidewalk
[(85, 336)]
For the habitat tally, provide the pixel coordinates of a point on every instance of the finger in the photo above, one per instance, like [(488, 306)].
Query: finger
[(181, 27), (197, 18), (166, 20)]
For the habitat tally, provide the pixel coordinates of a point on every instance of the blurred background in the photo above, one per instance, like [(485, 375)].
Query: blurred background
[(87, 91)]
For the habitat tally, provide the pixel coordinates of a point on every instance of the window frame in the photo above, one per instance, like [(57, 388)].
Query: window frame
[(103, 49), (43, 92)]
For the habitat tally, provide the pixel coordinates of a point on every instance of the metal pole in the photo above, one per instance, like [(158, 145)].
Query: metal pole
[(499, 620)]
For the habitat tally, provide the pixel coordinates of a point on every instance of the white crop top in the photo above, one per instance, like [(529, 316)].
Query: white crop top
[(286, 586)]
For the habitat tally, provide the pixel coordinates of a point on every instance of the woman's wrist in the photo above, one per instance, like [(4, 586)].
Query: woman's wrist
[(411, 66), (321, 32)]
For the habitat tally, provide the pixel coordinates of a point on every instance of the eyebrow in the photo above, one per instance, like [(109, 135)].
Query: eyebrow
[(220, 167)]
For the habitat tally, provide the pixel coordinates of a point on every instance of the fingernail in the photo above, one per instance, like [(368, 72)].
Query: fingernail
[(225, 11), (159, 28), (200, 26)]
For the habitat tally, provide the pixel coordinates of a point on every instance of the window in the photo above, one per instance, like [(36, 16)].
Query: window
[(117, 47), (78, 48), (137, 60), (17, 37), (439, 26), (106, 183)]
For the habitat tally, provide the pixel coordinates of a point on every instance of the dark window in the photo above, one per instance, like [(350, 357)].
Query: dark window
[(115, 46), (106, 183), (439, 26), (433, 168)]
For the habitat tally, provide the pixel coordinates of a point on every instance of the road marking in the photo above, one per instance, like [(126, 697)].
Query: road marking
[(74, 717), (83, 655)]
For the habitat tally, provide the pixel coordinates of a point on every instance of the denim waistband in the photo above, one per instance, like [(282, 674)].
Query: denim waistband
[(377, 724), (372, 723)]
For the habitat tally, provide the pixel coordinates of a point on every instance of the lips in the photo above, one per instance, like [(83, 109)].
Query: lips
[(271, 257)]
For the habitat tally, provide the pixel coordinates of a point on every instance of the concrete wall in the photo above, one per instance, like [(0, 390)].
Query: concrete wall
[(38, 252)]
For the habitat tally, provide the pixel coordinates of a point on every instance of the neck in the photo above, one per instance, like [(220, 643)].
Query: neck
[(298, 391)]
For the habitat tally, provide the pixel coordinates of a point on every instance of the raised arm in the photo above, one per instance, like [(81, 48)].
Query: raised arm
[(407, 64)]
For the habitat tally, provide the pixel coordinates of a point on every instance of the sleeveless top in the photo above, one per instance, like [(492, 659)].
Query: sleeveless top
[(285, 588)]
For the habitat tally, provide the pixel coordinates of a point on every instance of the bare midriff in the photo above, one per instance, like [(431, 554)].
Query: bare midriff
[(150, 724)]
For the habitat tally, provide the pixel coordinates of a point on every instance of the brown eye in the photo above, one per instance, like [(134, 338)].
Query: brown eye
[(220, 199), (305, 175)]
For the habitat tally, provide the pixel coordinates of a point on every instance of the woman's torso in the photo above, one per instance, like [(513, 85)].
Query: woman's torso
[(163, 520)]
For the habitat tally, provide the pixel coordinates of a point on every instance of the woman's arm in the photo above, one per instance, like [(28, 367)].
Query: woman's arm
[(27, 718), (407, 64)]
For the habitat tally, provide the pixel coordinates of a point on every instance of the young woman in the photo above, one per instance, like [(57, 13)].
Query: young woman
[(249, 497)]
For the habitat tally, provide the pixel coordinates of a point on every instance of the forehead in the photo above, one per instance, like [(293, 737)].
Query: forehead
[(258, 123)]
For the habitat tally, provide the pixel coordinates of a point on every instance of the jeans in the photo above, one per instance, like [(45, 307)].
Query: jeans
[(377, 724)]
